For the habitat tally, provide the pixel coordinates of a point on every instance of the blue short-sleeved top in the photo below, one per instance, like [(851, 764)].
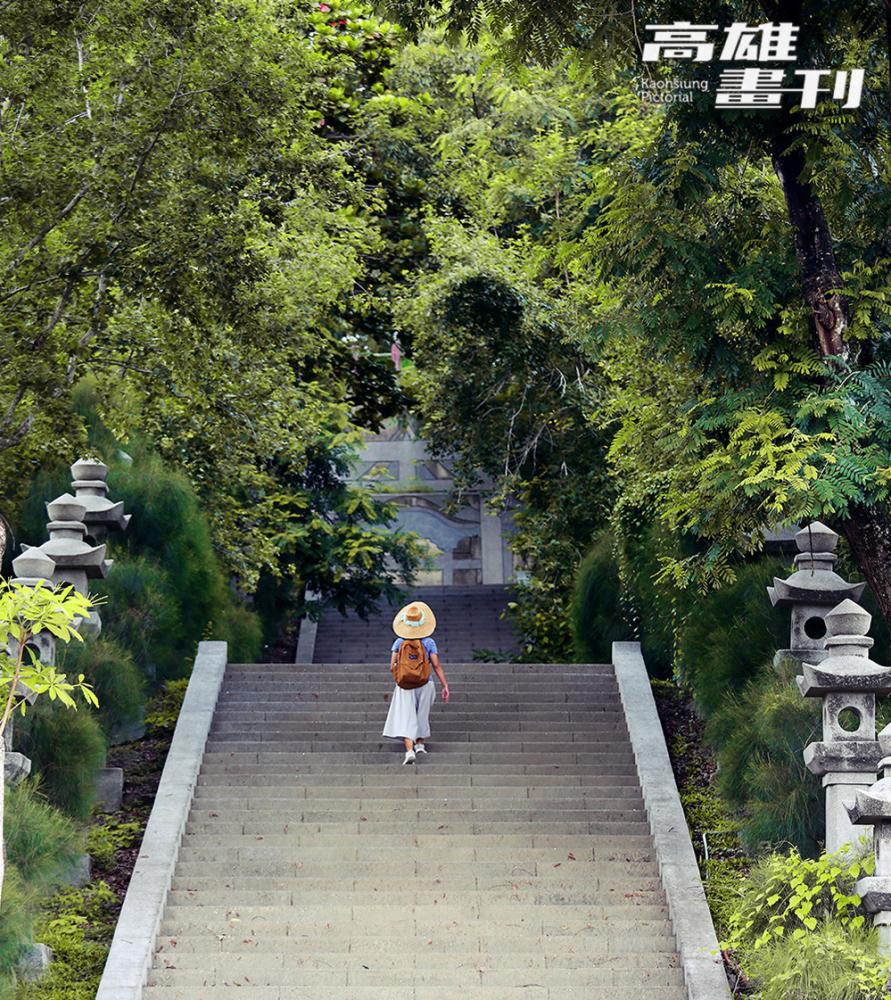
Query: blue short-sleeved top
[(429, 644)]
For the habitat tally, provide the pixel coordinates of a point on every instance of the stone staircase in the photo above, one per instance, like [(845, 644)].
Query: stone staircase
[(472, 618), (514, 861)]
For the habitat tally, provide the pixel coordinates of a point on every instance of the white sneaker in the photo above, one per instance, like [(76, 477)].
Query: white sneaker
[(409, 757), (420, 748)]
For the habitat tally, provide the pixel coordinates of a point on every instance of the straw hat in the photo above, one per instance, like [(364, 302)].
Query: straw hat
[(414, 621)]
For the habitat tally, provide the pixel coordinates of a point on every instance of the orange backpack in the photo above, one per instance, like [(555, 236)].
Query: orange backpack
[(412, 669)]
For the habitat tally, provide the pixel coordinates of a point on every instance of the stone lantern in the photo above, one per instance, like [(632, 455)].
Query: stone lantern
[(848, 681), (90, 488), (32, 568), (873, 808), (811, 591), (76, 561)]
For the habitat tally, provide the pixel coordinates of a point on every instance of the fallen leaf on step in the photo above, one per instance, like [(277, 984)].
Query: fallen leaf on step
[(557, 865), (571, 856)]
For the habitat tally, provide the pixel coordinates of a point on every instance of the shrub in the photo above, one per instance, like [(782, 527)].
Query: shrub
[(118, 684), (164, 709), (78, 927), (169, 526), (597, 615), (729, 634), (800, 931), (653, 609), (40, 841), (105, 840), (242, 629), (829, 963), (18, 907), (760, 735), (144, 616), (67, 749), (786, 896)]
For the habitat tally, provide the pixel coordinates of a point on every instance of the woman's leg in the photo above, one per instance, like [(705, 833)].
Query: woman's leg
[(425, 698)]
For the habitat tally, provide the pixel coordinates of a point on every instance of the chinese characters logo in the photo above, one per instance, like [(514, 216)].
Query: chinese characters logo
[(754, 86)]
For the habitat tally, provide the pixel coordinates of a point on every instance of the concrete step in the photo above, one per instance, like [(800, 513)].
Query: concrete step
[(423, 785), (264, 740), (352, 863), (494, 810), (257, 953), (526, 992), (224, 973), (446, 756), (459, 797), (597, 889), (434, 768), (606, 872), (396, 828)]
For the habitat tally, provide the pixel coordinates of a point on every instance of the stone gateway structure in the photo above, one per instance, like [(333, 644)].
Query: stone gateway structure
[(468, 545)]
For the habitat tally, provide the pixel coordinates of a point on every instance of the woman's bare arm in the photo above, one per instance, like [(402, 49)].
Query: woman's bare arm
[(437, 666)]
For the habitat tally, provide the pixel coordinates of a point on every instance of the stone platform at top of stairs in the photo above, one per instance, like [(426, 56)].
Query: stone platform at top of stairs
[(537, 851), (471, 618)]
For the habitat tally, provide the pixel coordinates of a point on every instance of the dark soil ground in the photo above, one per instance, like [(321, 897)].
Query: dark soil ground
[(142, 761)]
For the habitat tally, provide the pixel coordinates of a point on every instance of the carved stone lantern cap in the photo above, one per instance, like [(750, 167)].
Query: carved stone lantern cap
[(848, 667), (814, 580), (66, 508), (846, 620), (89, 469), (32, 565), (66, 545), (92, 491), (816, 537)]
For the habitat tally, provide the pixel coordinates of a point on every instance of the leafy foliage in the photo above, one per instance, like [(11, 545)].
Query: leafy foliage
[(183, 230), (40, 841), (67, 749), (164, 708), (104, 840), (801, 931), (110, 670), (729, 634), (759, 735), (18, 909), (786, 896), (830, 962), (25, 612), (78, 927)]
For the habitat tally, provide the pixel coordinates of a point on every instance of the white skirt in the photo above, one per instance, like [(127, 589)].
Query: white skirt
[(409, 715)]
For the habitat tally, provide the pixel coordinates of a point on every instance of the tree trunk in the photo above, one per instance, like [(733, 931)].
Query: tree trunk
[(868, 531), (820, 277)]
